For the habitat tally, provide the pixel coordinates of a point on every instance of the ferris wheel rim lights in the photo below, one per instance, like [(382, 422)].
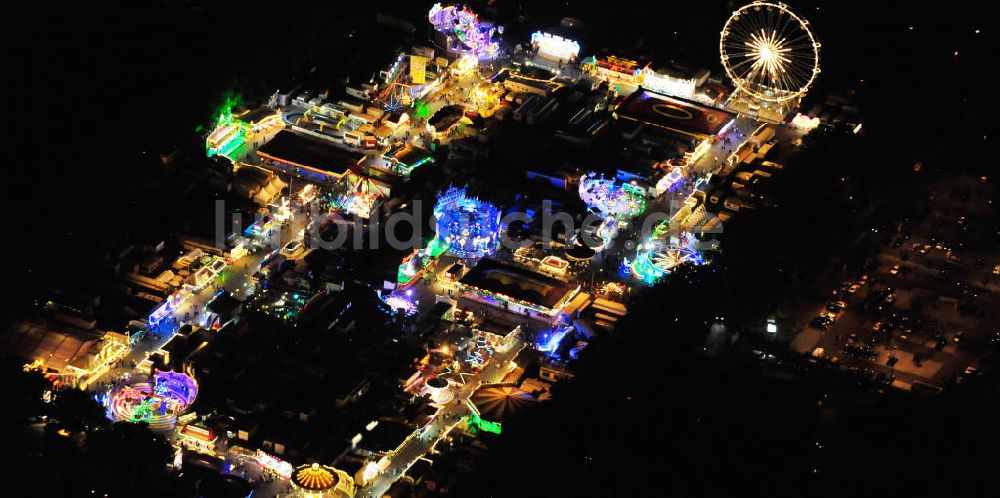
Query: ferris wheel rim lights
[(772, 54)]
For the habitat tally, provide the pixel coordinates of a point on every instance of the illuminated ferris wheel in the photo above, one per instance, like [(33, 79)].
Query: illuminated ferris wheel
[(769, 52)]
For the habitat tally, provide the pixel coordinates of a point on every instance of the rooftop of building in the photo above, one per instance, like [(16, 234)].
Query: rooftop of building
[(409, 154), (255, 115), (519, 283), (58, 345), (446, 116), (297, 150), (674, 114)]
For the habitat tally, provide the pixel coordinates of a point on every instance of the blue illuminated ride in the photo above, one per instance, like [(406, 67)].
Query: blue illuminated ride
[(548, 342), (468, 226)]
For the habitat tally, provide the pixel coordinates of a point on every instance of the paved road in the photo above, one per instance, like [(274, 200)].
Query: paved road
[(234, 279), (422, 441)]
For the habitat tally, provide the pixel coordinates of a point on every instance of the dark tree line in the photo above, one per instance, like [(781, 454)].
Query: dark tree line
[(60, 443)]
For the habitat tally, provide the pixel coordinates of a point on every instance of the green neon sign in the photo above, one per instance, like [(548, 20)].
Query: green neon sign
[(483, 425)]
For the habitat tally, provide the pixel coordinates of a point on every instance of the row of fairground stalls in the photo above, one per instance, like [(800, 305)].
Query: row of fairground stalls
[(350, 122), (315, 480), (189, 274), (322, 161), (369, 116), (312, 480), (351, 473), (682, 238), (360, 183), (77, 355), (748, 173), (626, 75), (200, 264), (374, 116)]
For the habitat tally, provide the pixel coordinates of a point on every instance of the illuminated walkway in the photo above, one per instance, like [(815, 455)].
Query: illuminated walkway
[(421, 441), (234, 279)]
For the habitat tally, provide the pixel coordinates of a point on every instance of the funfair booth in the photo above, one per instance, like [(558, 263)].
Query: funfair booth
[(555, 47)]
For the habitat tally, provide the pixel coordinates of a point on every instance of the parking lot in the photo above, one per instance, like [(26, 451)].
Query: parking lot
[(925, 311)]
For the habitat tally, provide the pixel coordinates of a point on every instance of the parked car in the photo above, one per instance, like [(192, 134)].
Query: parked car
[(821, 322)]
